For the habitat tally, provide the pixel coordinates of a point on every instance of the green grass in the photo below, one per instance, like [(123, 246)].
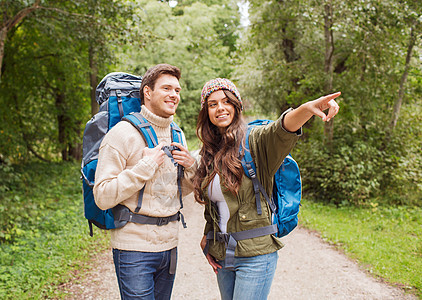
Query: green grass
[(44, 236), (385, 240)]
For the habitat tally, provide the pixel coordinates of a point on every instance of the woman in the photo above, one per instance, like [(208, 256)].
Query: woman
[(228, 194)]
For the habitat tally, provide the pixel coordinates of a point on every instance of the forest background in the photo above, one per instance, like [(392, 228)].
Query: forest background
[(279, 53)]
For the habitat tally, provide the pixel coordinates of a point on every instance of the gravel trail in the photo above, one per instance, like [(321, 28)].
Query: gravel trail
[(308, 268)]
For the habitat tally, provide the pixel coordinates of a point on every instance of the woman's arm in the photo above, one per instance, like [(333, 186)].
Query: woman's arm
[(296, 118), (211, 260)]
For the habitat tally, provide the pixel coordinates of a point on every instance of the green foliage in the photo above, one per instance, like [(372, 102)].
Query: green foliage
[(283, 54), (283, 65), (50, 55), (385, 240), (43, 232), (349, 175), (202, 47), (45, 82), (45, 95), (359, 167)]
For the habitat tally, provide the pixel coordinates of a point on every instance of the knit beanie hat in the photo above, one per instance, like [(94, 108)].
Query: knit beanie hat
[(216, 85)]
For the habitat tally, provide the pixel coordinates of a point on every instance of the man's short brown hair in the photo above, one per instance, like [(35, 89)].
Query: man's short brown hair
[(152, 74)]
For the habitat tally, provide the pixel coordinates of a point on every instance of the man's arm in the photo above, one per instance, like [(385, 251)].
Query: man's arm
[(114, 181)]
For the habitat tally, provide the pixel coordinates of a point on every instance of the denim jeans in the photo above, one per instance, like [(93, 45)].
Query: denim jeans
[(143, 275), (251, 278)]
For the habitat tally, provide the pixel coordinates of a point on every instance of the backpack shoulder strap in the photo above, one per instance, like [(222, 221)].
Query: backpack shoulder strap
[(144, 127), (150, 137), (247, 157), (176, 136), (250, 171), (247, 161), (176, 133)]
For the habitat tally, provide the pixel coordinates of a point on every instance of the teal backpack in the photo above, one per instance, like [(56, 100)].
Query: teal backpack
[(284, 202), (118, 97), (287, 188)]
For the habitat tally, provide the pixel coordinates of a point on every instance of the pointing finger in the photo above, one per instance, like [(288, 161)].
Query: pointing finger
[(333, 96), (333, 109)]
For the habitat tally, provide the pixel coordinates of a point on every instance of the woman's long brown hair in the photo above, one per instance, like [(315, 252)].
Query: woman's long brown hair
[(220, 151)]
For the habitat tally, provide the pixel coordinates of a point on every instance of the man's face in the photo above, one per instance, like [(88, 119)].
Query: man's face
[(165, 97)]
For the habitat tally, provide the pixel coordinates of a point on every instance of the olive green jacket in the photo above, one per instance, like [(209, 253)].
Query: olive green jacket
[(269, 145)]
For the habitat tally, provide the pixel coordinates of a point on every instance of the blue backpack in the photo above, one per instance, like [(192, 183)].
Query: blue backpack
[(118, 97), (287, 188), (284, 202)]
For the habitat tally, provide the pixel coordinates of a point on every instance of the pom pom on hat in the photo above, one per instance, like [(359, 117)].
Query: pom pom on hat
[(216, 85)]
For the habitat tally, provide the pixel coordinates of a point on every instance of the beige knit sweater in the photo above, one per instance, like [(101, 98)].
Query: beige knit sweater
[(122, 171)]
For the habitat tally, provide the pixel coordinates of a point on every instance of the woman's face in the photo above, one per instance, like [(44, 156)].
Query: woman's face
[(220, 111)]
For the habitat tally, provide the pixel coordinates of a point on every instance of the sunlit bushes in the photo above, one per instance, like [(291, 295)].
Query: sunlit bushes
[(360, 169)]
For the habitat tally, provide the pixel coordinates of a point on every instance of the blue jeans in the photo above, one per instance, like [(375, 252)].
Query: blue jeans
[(143, 275), (251, 278)]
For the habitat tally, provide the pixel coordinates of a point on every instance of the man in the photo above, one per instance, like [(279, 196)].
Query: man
[(145, 255)]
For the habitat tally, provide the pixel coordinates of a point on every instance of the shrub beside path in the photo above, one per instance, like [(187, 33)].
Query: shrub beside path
[(308, 268)]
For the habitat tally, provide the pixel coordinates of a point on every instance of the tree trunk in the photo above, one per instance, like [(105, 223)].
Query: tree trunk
[(93, 78), (8, 24), (75, 149), (288, 47), (328, 66), (61, 124), (3, 36), (399, 101)]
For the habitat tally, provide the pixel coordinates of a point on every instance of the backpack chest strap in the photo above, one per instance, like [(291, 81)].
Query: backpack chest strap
[(231, 239)]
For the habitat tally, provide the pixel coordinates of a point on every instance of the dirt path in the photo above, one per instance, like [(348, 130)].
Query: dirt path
[(308, 268)]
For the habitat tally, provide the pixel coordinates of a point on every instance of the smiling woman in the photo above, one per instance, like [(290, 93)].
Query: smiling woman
[(221, 109), (245, 265)]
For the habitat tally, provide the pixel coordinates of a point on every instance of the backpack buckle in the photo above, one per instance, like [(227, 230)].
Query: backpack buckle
[(223, 237), (163, 221), (119, 95), (251, 171)]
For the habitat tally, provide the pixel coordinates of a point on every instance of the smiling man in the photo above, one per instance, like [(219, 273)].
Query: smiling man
[(145, 254)]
